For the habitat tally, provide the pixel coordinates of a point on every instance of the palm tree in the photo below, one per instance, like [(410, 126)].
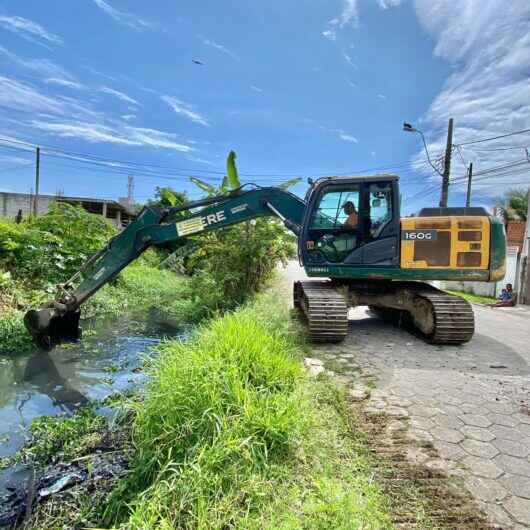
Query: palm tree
[(513, 205)]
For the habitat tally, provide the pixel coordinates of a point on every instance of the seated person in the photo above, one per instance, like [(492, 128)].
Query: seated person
[(504, 296), (353, 219), (507, 297)]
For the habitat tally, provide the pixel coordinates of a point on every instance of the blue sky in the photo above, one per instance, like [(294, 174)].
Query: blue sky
[(295, 87)]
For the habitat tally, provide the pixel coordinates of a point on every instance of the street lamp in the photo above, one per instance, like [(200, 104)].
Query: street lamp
[(407, 127)]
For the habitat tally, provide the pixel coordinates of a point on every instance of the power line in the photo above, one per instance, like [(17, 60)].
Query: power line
[(494, 169), (507, 148), (495, 137), (133, 166)]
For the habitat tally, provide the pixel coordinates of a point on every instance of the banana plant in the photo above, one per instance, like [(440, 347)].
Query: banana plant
[(231, 180)]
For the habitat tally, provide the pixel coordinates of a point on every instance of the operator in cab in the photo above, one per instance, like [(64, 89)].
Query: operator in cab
[(353, 218)]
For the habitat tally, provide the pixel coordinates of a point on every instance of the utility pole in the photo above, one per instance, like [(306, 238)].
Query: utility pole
[(525, 259), (447, 165), (130, 189), (37, 179), (469, 177)]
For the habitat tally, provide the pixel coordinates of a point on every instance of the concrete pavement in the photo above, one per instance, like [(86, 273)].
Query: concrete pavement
[(471, 402)]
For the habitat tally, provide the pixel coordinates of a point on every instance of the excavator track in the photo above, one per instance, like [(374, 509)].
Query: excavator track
[(453, 321), (324, 308)]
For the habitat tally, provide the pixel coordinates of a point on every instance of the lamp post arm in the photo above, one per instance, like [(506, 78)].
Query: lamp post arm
[(427, 153)]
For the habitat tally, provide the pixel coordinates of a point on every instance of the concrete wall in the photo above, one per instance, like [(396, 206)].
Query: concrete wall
[(11, 203)]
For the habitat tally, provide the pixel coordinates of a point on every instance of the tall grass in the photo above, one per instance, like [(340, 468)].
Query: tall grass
[(140, 287), (228, 437)]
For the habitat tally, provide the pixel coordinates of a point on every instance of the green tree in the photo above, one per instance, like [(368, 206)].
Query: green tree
[(232, 263), (166, 197), (513, 205)]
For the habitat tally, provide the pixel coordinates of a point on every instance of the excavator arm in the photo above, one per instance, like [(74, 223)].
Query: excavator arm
[(59, 319)]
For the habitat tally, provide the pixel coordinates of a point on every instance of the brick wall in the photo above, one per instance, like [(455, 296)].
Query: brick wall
[(515, 232)]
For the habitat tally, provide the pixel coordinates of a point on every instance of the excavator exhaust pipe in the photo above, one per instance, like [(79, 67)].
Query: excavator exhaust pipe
[(54, 324)]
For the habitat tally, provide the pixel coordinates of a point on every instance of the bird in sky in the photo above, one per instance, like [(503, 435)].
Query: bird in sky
[(197, 62)]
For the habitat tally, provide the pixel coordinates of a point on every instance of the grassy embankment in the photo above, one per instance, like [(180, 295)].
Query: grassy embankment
[(233, 434), (474, 298)]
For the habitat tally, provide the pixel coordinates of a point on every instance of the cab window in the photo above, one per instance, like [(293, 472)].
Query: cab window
[(337, 209), (334, 228), (380, 200)]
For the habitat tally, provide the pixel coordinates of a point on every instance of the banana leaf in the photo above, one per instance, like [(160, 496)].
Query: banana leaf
[(232, 175), (204, 186)]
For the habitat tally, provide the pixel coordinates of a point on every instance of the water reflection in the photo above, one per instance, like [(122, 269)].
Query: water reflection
[(42, 373), (57, 382)]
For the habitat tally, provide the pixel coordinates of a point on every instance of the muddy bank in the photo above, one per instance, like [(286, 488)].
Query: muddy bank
[(42, 494)]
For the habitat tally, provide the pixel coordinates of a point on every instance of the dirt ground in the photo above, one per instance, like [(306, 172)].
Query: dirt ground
[(465, 409)]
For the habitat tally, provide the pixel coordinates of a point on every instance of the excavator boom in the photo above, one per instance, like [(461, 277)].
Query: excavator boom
[(59, 318)]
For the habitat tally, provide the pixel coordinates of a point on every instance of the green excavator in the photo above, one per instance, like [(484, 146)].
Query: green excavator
[(351, 239)]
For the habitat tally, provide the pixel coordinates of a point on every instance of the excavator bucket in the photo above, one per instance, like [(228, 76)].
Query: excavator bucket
[(51, 325)]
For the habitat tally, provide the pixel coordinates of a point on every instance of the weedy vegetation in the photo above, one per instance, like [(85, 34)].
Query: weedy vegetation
[(232, 434), (56, 437)]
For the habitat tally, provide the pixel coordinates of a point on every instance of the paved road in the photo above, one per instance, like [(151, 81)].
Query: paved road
[(472, 401)]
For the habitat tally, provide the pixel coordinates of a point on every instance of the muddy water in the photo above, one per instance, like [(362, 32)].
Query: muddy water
[(57, 382)]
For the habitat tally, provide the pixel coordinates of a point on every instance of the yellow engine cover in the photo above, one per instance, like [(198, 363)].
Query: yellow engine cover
[(459, 242)]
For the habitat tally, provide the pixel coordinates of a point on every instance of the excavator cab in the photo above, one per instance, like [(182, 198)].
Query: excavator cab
[(353, 222)]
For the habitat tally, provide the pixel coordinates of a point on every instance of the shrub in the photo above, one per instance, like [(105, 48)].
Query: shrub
[(50, 248), (236, 262)]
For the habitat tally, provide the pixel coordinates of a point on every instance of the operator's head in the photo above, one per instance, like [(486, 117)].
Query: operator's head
[(509, 287), (349, 207)]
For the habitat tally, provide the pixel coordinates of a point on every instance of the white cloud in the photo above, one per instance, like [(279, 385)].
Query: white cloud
[(92, 132), (221, 48), (68, 117), (116, 134), (156, 138), (352, 84), (119, 95), (43, 67), (381, 96), (16, 160), (128, 117), (488, 93), (201, 160), (29, 30), (349, 60), (127, 19), (340, 133), (349, 16), (256, 88), (180, 107), (21, 96), (387, 4), (64, 82)]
